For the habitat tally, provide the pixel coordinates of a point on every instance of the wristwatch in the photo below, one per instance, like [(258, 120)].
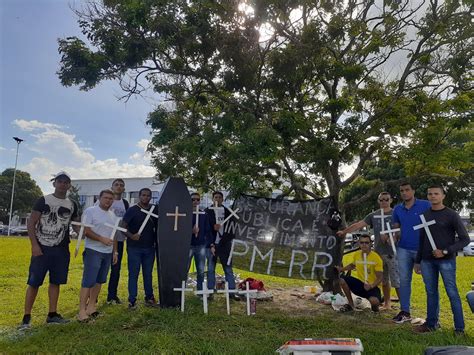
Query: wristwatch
[(445, 252)]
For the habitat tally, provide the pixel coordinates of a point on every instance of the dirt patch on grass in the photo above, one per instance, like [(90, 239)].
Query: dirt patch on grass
[(294, 301)]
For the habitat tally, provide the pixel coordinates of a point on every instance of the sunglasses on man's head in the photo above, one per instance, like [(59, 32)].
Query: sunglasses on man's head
[(384, 199)]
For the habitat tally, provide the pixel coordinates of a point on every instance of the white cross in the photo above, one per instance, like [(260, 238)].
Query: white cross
[(197, 212), (215, 207), (183, 289), (391, 233), (227, 292), (79, 236), (115, 227), (365, 263), (176, 215), (247, 293), (148, 213), (382, 219), (426, 225), (232, 213), (205, 293)]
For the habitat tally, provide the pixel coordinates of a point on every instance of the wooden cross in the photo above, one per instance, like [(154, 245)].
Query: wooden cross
[(391, 234), (148, 213), (205, 293), (79, 236), (197, 212), (382, 219), (115, 227), (366, 264), (227, 292), (247, 293), (183, 289), (426, 225), (176, 215)]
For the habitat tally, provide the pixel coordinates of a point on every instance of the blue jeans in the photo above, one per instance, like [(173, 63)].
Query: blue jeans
[(406, 261), (199, 253), (211, 271), (145, 258), (430, 270)]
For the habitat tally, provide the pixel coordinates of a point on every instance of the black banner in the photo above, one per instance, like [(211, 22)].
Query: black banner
[(285, 238)]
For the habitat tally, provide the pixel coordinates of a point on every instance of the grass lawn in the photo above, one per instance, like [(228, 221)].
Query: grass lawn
[(148, 330)]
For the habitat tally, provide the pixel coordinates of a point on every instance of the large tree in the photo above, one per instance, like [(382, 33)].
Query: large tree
[(287, 93), (26, 193)]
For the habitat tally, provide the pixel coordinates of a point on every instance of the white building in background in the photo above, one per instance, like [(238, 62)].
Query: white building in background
[(89, 190)]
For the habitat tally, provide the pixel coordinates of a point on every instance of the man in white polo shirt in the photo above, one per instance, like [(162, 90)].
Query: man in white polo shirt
[(98, 253)]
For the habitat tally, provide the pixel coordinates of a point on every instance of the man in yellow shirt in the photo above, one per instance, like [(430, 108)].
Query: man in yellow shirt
[(366, 276)]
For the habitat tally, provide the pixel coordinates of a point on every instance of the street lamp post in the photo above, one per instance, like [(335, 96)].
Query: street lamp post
[(18, 141)]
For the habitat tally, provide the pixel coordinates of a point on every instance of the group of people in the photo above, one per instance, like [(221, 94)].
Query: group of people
[(48, 231), (390, 264), (417, 235)]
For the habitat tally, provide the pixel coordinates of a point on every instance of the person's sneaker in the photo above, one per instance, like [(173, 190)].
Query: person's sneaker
[(132, 305), (235, 297), (151, 302), (56, 318), (210, 297), (402, 317), (423, 329), (346, 308), (115, 300), (25, 323), (459, 333)]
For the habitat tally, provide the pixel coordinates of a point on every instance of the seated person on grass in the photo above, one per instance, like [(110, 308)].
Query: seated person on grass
[(365, 278)]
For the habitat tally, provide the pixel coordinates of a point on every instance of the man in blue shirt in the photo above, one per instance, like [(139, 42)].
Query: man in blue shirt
[(406, 216), (140, 248), (200, 240)]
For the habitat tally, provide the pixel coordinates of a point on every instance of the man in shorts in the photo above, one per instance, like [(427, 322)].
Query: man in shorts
[(48, 230), (365, 279), (98, 253)]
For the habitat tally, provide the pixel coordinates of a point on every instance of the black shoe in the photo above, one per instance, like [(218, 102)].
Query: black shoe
[(151, 302), (56, 319), (402, 317), (235, 297), (25, 323), (210, 298), (132, 305), (114, 300)]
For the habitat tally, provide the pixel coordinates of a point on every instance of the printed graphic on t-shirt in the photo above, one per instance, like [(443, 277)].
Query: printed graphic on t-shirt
[(54, 222)]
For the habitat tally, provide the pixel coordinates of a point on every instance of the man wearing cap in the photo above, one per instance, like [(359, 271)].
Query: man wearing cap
[(48, 230)]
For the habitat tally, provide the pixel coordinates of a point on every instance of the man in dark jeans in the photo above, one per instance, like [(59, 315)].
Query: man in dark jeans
[(220, 244), (439, 258), (119, 207), (141, 241), (200, 240)]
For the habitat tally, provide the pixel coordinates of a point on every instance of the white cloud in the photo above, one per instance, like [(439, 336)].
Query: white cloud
[(1, 148), (54, 149), (33, 125)]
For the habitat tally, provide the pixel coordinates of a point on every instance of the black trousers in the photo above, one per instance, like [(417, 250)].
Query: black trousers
[(115, 273)]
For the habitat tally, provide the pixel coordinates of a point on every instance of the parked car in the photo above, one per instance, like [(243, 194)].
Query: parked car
[(18, 230), (469, 249)]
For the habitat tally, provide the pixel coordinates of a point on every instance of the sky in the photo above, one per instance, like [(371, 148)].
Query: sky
[(88, 134)]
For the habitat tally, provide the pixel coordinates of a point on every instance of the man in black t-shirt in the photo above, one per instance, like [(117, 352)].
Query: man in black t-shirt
[(140, 247), (438, 256), (48, 230)]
